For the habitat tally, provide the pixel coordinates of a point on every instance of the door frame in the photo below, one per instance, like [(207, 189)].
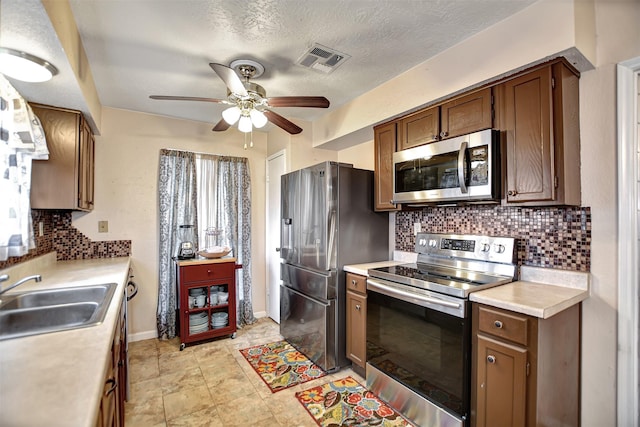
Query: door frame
[(628, 325), (268, 213)]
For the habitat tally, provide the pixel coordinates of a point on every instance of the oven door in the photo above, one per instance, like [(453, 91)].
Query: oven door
[(420, 339)]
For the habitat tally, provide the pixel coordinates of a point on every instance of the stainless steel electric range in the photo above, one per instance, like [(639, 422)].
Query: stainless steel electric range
[(419, 324)]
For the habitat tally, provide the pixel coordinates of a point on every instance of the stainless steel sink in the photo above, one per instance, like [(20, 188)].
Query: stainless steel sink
[(39, 312)]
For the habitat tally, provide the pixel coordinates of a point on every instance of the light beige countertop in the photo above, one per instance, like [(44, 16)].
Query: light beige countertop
[(57, 379), (540, 292)]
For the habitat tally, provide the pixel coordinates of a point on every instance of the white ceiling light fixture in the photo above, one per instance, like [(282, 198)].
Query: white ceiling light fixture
[(25, 67)]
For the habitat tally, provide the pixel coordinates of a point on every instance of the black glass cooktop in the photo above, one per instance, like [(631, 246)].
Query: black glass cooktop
[(450, 281)]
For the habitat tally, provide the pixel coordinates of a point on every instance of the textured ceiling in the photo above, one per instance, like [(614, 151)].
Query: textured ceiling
[(137, 48)]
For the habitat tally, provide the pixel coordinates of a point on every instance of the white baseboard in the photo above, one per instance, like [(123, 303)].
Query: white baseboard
[(147, 335), (140, 336)]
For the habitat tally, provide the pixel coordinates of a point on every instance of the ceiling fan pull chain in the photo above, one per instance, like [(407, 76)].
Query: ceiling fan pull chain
[(245, 141), (251, 136)]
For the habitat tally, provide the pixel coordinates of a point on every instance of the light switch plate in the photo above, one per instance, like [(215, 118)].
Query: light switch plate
[(103, 226)]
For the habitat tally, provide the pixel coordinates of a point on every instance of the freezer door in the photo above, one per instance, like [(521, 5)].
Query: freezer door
[(309, 325), (321, 286)]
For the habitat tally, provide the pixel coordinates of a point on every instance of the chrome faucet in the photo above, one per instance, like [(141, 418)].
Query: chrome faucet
[(5, 277)]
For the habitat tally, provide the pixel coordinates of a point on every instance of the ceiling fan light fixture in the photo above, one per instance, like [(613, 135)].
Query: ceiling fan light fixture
[(231, 114), (258, 118), (244, 125), (25, 67)]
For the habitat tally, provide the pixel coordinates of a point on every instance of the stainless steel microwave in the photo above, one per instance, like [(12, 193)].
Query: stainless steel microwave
[(464, 168)]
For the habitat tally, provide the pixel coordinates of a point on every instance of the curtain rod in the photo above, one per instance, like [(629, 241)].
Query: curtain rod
[(202, 153)]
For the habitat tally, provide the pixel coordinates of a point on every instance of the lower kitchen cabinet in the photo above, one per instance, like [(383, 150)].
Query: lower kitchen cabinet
[(111, 412), (526, 369), (357, 319), (207, 299)]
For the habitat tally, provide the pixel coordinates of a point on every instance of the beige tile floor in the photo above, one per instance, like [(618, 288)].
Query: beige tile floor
[(211, 384)]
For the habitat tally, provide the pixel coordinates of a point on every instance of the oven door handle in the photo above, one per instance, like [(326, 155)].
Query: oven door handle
[(409, 297)]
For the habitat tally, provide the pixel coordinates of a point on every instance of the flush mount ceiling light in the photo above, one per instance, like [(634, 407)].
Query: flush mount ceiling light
[(25, 67)]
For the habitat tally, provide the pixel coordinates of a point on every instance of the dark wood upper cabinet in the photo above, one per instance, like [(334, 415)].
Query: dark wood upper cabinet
[(384, 147), (66, 180), (419, 128), (466, 114), (540, 122)]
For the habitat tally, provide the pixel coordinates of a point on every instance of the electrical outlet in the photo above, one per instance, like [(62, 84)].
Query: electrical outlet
[(417, 228), (103, 226)]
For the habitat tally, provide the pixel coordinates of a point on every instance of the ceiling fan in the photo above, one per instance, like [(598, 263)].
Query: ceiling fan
[(250, 106)]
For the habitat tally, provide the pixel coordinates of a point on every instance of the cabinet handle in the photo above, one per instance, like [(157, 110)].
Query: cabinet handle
[(491, 359), (443, 134), (512, 192), (208, 271), (497, 324), (354, 282), (358, 307)]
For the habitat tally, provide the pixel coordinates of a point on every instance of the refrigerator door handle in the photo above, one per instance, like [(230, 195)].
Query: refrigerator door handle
[(285, 237), (326, 304)]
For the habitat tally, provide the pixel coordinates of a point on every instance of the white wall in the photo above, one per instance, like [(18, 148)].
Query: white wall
[(127, 155)]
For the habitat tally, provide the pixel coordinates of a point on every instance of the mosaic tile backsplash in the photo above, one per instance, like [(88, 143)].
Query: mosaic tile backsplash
[(556, 237), (69, 243)]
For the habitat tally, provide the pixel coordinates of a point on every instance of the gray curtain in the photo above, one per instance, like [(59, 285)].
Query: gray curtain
[(176, 206), (225, 203)]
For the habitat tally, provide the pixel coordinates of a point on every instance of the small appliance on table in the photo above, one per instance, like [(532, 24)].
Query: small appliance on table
[(206, 290), (419, 324)]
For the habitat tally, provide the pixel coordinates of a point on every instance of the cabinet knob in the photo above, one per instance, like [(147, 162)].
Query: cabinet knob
[(443, 134), (208, 271), (358, 307), (512, 192), (491, 359), (497, 324), (354, 282)]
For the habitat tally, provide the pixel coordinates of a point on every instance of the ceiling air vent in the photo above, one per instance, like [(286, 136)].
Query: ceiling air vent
[(322, 58)]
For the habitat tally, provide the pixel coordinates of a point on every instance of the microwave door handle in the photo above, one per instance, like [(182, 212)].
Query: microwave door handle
[(462, 167)]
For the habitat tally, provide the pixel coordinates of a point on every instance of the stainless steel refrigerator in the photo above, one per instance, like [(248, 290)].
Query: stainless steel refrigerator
[(327, 222)]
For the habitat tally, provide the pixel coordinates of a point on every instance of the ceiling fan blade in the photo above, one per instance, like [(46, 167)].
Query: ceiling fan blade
[(187, 98), (299, 101), (221, 126), (230, 78), (282, 123)]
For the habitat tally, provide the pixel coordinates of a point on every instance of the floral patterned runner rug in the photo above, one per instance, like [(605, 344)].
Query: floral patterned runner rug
[(280, 365), (346, 403)]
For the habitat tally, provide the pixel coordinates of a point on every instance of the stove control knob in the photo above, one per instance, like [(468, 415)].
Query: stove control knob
[(485, 247), (498, 248), (433, 243)]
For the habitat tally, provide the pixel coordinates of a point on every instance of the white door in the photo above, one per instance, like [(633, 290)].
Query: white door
[(276, 167)]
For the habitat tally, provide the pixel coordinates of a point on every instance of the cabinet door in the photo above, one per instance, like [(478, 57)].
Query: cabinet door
[(501, 384), (54, 182), (419, 128), (384, 147), (356, 328), (466, 114), (528, 112)]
